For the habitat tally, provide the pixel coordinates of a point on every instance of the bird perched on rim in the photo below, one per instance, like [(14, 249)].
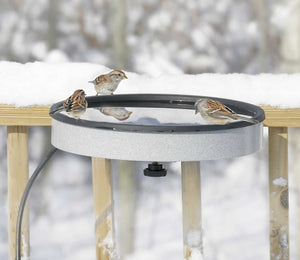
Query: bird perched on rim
[(119, 113), (106, 84), (215, 112), (76, 104)]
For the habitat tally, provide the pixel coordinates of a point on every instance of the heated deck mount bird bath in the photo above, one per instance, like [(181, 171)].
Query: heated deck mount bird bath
[(165, 142)]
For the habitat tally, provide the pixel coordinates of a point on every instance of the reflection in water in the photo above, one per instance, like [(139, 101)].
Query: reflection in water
[(119, 113), (146, 121)]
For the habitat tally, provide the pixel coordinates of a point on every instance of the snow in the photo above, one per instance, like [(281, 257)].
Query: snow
[(195, 244), (194, 238), (282, 182), (283, 240), (109, 245), (24, 252), (41, 83), (195, 255), (160, 21)]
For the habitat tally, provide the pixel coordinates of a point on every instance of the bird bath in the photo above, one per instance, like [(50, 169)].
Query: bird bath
[(146, 137), (168, 141)]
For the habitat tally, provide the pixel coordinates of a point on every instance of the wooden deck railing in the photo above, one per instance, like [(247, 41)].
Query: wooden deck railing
[(17, 121)]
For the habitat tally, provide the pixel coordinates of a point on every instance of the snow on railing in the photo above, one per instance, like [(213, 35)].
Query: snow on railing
[(28, 90), (42, 84)]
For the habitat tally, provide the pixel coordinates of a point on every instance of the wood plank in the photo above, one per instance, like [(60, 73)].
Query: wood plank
[(103, 206), (294, 153), (128, 193), (276, 117), (17, 164), (24, 116), (279, 193), (191, 210)]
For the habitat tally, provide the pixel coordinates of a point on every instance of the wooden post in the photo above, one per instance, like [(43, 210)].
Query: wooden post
[(279, 193), (294, 145), (103, 205), (191, 210), (17, 165), (127, 189)]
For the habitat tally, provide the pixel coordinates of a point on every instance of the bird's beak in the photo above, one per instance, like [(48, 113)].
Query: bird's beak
[(91, 81), (124, 77)]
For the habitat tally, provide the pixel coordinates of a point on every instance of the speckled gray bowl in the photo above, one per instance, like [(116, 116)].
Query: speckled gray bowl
[(122, 141)]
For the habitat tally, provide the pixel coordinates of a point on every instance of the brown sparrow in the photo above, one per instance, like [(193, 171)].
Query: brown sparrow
[(76, 104), (119, 113), (216, 112), (106, 84)]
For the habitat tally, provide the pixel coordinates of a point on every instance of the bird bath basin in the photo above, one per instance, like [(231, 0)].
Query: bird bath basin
[(144, 137)]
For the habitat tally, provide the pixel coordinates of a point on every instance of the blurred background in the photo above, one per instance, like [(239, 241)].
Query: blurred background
[(155, 36), (149, 37)]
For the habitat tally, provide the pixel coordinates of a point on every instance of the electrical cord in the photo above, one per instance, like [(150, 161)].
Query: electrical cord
[(24, 199)]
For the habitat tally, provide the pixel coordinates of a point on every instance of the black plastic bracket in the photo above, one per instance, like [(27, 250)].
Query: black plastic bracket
[(155, 170)]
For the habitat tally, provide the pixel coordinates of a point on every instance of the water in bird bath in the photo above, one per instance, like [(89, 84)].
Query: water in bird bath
[(149, 116)]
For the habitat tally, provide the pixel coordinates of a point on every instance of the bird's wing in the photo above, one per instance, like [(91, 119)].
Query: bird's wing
[(102, 79), (68, 103), (77, 106), (79, 103), (217, 108)]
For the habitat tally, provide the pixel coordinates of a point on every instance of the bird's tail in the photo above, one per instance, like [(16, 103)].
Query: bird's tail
[(247, 119)]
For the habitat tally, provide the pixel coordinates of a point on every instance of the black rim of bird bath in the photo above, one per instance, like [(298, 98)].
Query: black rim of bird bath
[(157, 101)]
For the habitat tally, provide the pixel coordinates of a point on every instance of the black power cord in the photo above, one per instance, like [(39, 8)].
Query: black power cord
[(24, 199)]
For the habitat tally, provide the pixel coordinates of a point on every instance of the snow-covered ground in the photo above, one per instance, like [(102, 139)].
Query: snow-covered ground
[(234, 191)]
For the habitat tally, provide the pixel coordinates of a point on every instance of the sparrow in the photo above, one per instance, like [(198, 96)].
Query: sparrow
[(106, 84), (215, 112), (76, 104), (119, 113)]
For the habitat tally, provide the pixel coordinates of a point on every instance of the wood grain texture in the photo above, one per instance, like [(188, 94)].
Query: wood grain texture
[(276, 117), (191, 209), (103, 207), (25, 116), (17, 166), (127, 206), (279, 193)]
